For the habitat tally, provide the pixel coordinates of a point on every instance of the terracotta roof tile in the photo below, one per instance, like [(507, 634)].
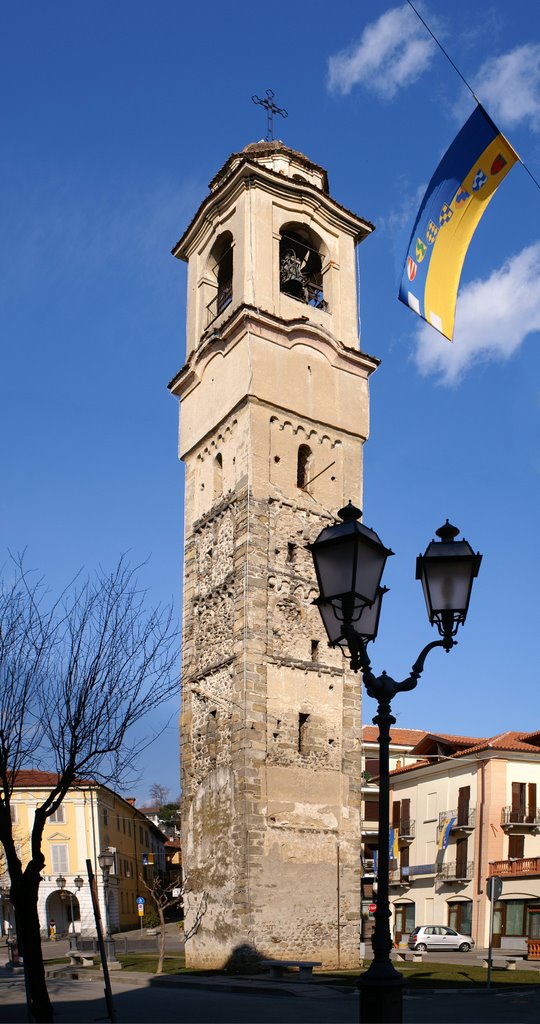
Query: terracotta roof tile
[(452, 738), (528, 737), (406, 736), (29, 777), (510, 741), (410, 767)]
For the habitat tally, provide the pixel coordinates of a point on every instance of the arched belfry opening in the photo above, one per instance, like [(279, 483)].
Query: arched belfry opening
[(301, 259), (221, 273)]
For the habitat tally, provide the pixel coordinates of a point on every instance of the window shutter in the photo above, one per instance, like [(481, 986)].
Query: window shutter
[(532, 802), (516, 846), (464, 796), (59, 858)]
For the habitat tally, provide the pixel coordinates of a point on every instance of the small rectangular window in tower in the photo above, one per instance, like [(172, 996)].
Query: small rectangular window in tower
[(314, 650), (303, 720), (291, 553), (211, 737)]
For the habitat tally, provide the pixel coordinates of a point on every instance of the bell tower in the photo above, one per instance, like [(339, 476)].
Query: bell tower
[(273, 416)]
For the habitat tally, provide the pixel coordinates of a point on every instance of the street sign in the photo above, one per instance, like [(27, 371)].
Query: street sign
[(372, 908), (140, 900), (140, 908), (494, 887)]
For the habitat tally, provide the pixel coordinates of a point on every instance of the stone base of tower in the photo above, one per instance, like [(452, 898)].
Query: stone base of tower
[(276, 893)]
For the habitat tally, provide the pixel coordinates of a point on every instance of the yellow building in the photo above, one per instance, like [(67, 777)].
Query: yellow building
[(92, 818)]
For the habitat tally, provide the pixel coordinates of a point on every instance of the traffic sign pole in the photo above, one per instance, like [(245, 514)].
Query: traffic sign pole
[(140, 908), (494, 889)]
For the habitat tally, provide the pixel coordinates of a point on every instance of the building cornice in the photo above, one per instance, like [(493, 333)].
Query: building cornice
[(286, 333), (247, 174)]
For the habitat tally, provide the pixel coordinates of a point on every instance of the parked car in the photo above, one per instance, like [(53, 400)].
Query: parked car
[(438, 936)]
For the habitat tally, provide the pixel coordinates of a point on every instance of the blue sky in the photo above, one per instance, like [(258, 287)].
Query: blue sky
[(115, 118)]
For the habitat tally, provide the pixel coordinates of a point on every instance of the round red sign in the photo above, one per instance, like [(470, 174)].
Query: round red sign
[(372, 908)]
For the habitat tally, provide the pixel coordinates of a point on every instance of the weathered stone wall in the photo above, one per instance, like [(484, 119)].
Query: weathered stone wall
[(270, 717)]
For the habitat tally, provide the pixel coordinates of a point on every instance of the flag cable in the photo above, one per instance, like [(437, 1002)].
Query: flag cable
[(464, 80)]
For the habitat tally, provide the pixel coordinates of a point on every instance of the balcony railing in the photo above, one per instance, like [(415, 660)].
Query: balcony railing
[(456, 872), (520, 866), (221, 300), (511, 817), (464, 820), (407, 828), (398, 877)]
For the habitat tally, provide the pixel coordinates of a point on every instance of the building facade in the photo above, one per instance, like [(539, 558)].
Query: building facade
[(274, 414), (475, 806), (90, 819), (402, 742)]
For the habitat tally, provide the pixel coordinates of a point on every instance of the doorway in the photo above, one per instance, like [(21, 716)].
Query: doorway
[(404, 921)]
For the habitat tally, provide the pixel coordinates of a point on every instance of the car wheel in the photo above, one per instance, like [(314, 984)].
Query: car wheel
[(420, 948), (464, 948)]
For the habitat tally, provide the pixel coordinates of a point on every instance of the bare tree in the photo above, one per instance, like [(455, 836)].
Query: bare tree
[(176, 894), (158, 794), (75, 676)]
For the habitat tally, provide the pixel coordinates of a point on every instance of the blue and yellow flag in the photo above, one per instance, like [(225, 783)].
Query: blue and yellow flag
[(456, 197), (444, 833)]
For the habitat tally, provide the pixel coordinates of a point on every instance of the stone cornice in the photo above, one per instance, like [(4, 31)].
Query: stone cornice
[(286, 333)]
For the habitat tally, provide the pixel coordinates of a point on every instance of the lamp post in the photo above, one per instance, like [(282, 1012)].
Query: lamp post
[(349, 562), (78, 882), (106, 862), (61, 884)]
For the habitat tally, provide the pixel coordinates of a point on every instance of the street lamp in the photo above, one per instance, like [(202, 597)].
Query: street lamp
[(106, 862), (61, 884), (78, 882), (349, 562)]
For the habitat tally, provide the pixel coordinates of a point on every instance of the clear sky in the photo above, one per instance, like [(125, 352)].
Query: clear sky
[(115, 116)]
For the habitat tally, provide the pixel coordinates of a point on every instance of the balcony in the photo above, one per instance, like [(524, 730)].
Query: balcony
[(456, 872), (398, 878), (370, 828), (520, 867), (407, 829), (520, 821), (465, 821)]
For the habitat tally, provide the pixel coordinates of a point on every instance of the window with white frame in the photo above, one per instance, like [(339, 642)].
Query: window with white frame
[(14, 813), (59, 816), (59, 858)]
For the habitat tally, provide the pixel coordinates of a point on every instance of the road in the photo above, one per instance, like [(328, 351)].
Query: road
[(143, 1000)]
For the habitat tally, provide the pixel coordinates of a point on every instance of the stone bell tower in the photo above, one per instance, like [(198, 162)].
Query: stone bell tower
[(274, 414)]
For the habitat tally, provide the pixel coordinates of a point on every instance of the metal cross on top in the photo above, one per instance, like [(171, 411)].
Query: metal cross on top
[(271, 110)]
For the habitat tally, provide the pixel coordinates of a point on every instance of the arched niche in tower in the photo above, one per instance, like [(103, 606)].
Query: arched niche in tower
[(218, 475), (219, 276), (303, 464), (302, 256)]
